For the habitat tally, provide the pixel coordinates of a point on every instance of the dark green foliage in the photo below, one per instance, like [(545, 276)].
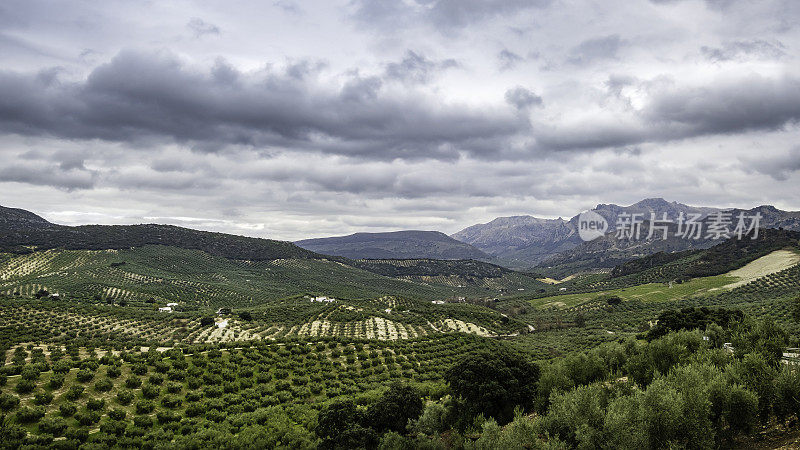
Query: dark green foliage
[(43, 398), (67, 409), (95, 404), (25, 386), (150, 391), (99, 237), (87, 417), (113, 372), (103, 385), (133, 382), (692, 319), (53, 425), (74, 392), (125, 396), (117, 414), (84, 375), (27, 414), (8, 401), (56, 381), (395, 408), (494, 384), (764, 337)]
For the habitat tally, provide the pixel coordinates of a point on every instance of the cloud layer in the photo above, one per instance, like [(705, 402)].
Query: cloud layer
[(289, 122)]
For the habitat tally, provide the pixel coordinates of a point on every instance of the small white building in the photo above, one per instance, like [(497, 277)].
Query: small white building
[(322, 299), (167, 309), (437, 302), (172, 304), (562, 289)]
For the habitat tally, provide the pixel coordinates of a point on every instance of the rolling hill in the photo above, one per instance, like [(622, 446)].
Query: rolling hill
[(141, 264), (395, 245)]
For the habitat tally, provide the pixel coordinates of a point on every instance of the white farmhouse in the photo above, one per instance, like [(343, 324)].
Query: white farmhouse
[(165, 309)]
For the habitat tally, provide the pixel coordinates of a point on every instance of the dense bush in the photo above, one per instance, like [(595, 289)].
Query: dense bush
[(493, 384)]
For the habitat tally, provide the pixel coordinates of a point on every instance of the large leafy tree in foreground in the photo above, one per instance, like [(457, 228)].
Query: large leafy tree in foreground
[(493, 384)]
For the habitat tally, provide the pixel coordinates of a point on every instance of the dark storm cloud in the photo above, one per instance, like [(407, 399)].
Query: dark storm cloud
[(416, 68), (591, 50), (779, 167), (153, 97), (48, 175), (732, 106), (522, 98), (201, 28), (756, 48), (736, 106), (443, 14)]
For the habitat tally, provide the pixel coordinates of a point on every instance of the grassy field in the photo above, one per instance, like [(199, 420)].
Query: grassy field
[(769, 264), (651, 292)]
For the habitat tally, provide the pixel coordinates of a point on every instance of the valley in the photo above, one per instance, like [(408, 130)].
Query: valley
[(112, 337)]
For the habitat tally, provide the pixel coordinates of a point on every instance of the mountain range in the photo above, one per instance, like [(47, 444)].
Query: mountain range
[(548, 246), (525, 241)]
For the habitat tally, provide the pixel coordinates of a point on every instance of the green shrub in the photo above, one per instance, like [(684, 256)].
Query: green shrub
[(25, 386), (125, 397), (150, 391), (30, 415), (103, 385), (8, 401), (145, 407), (63, 366), (117, 414), (86, 417), (77, 434), (56, 381), (143, 421), (133, 382), (30, 373), (95, 404), (67, 409), (84, 375), (113, 372), (43, 398), (53, 425), (74, 392), (156, 378)]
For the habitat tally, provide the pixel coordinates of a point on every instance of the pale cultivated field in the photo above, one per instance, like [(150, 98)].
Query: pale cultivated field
[(554, 281), (776, 261)]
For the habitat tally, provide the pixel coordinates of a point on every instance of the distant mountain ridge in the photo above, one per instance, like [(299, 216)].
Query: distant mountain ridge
[(20, 230), (526, 241), (410, 244), (15, 218)]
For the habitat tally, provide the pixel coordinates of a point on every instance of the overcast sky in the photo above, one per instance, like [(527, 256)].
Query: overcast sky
[(293, 119)]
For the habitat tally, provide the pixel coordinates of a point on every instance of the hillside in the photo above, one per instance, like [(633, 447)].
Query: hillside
[(14, 218), (609, 251), (395, 245)]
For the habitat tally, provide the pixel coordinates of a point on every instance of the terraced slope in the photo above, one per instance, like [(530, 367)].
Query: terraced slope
[(198, 279)]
